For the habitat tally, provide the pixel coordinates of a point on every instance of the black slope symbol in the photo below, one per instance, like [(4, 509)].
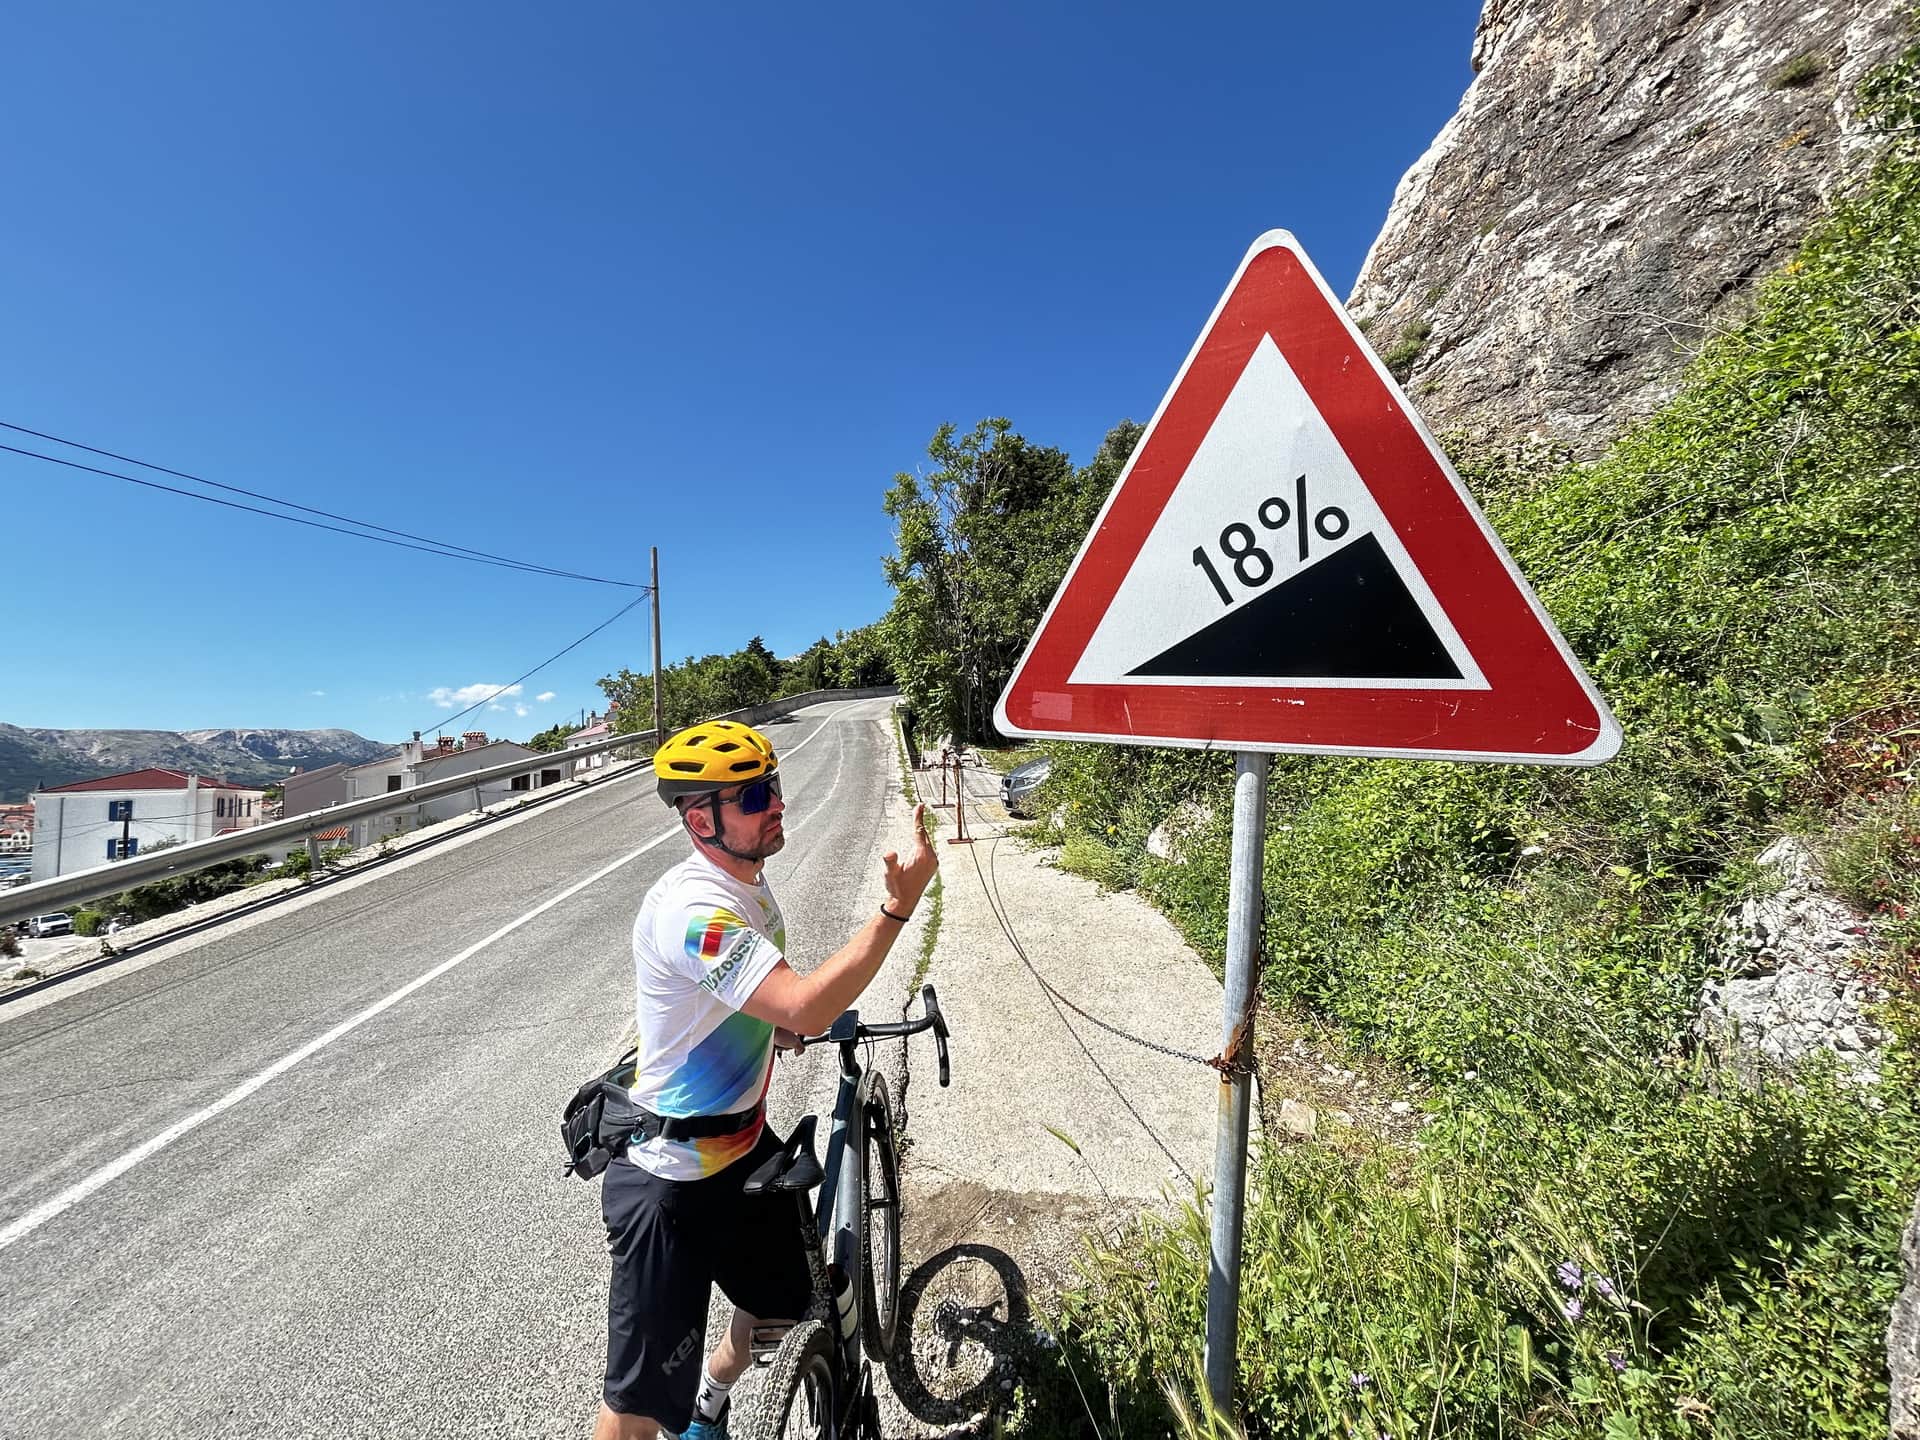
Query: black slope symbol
[(1350, 617)]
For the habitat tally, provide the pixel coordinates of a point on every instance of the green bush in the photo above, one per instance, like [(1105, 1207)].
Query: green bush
[(89, 922), (1803, 69), (1408, 347), (1638, 1255), (163, 897)]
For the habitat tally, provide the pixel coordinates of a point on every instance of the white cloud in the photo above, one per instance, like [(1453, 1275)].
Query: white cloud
[(544, 697), (522, 711), (318, 694), (447, 698)]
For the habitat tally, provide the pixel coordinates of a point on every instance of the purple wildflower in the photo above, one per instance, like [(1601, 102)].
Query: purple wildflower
[(1617, 1360), (1573, 1309), (1360, 1380), (1569, 1274), (1603, 1287)]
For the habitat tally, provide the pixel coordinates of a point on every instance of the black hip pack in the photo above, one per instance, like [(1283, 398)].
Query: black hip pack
[(601, 1121)]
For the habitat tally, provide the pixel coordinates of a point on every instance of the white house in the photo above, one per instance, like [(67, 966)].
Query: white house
[(92, 822), (306, 790), (598, 727), (16, 830), (419, 764)]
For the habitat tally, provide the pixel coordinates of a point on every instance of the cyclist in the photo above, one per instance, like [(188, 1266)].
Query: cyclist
[(713, 996)]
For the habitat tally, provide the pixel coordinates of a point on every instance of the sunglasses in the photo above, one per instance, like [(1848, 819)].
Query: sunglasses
[(754, 798)]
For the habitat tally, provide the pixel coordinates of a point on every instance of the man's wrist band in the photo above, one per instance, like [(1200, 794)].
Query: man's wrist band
[(891, 916)]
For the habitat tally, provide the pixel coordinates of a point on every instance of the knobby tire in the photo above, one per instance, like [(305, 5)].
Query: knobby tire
[(798, 1395), (880, 1298)]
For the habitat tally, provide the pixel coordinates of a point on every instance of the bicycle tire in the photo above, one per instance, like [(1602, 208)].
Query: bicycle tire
[(799, 1393), (880, 1296)]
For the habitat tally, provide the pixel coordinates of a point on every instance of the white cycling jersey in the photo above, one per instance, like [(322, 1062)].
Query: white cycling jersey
[(701, 944)]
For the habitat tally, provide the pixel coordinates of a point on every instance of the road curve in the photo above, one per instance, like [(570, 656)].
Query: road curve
[(371, 1240)]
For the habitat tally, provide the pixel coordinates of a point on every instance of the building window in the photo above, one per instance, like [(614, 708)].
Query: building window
[(520, 782), (393, 783), (119, 809)]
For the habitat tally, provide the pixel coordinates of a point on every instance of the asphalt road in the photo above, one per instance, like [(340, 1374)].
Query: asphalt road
[(198, 1238)]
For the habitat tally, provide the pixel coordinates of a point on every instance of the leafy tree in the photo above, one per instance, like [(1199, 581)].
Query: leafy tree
[(980, 544), (860, 658), (552, 738), (810, 669), (695, 689)]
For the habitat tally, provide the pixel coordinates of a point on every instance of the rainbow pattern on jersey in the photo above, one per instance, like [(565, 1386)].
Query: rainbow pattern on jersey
[(735, 1060)]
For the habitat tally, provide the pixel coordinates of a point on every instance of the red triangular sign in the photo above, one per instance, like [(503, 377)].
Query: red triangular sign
[(1289, 563)]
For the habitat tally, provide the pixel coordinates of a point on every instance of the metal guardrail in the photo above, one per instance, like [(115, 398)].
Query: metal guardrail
[(45, 896)]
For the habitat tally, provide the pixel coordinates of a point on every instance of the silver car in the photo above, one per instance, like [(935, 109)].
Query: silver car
[(1018, 784), (42, 926)]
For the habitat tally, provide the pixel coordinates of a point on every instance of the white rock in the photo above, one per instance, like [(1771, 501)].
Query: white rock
[(1299, 1118)]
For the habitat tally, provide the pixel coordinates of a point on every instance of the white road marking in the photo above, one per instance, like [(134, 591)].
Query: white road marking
[(47, 1210)]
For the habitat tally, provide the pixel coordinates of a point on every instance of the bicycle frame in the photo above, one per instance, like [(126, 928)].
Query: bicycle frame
[(836, 1233)]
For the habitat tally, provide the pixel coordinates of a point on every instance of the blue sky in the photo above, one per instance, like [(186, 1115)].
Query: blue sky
[(564, 282)]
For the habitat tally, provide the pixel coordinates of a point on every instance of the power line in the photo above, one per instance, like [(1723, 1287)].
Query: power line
[(428, 545), (488, 699)]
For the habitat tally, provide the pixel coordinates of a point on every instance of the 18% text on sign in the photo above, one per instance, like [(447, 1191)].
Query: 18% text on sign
[(1252, 565)]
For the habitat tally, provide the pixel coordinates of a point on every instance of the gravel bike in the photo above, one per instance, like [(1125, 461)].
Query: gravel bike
[(817, 1385)]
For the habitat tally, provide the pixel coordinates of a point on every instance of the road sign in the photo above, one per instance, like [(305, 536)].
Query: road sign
[(1288, 563)]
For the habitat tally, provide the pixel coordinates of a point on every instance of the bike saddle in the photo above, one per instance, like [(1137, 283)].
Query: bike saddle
[(794, 1168)]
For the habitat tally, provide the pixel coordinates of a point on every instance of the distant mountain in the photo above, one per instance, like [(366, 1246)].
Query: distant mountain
[(30, 759)]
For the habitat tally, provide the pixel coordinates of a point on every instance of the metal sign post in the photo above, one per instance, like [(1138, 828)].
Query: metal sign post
[(1244, 912)]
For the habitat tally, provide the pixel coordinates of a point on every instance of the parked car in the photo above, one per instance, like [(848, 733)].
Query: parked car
[(1018, 784), (58, 923)]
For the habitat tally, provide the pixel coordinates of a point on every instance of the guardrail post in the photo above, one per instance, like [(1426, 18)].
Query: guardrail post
[(313, 854)]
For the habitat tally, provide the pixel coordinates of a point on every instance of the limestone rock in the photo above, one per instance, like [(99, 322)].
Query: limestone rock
[(1788, 979), (1903, 1340), (1617, 178), (1299, 1118), (1168, 837)]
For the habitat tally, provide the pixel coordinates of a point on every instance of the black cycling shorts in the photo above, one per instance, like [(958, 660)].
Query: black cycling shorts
[(671, 1241)]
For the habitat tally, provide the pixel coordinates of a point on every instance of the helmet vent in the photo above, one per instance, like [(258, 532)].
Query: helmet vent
[(727, 747)]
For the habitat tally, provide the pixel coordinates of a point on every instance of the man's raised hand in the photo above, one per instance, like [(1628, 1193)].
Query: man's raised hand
[(907, 883)]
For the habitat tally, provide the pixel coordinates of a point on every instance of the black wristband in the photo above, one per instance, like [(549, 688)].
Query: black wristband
[(891, 916)]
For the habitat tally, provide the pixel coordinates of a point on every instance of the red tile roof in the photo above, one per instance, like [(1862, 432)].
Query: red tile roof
[(145, 780), (338, 832)]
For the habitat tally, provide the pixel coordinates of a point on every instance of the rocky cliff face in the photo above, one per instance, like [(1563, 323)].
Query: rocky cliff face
[(1616, 180)]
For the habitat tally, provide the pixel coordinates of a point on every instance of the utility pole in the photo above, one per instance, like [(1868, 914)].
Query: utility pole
[(659, 733)]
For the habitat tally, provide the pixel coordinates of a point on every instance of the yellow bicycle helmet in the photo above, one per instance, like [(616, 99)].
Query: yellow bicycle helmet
[(704, 758)]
